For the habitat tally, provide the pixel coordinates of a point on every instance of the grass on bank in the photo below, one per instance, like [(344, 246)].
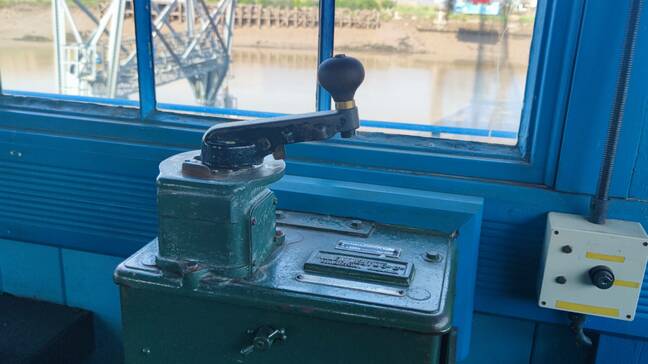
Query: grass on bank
[(6, 3)]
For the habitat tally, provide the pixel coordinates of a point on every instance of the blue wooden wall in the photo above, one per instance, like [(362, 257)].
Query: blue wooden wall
[(77, 192), (70, 190)]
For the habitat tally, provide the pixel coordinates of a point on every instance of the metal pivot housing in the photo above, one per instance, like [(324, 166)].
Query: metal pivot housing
[(224, 223), (216, 212)]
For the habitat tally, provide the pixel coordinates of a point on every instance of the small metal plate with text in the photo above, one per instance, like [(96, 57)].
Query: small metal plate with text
[(358, 247), (360, 267)]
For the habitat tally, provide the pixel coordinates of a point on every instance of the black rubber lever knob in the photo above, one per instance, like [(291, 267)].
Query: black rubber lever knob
[(341, 76)]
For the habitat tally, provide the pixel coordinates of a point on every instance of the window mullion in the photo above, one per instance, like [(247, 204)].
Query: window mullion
[(145, 60), (325, 47)]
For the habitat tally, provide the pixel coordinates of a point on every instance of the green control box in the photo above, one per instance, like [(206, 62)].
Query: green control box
[(232, 280), (335, 290)]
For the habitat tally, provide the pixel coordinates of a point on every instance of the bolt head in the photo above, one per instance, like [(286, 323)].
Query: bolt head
[(432, 256), (566, 249), (561, 280)]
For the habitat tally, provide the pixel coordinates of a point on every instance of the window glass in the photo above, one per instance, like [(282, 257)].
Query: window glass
[(442, 68), (81, 47), (248, 54)]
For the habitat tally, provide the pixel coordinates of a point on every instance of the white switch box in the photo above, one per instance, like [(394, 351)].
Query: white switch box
[(593, 269)]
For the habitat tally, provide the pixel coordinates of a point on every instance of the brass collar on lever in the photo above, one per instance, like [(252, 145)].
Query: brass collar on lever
[(345, 105)]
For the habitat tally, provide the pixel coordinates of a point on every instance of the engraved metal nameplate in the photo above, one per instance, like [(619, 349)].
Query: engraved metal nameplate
[(359, 267), (348, 284), (358, 247)]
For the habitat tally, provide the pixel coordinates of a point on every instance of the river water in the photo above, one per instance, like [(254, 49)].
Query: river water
[(456, 94)]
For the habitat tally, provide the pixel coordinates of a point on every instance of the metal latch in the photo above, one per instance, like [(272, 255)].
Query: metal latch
[(263, 339)]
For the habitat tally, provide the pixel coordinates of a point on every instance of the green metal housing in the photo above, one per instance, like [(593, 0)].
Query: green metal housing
[(225, 221), (232, 280)]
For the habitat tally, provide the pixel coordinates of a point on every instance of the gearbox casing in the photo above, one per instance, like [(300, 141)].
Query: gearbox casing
[(331, 313)]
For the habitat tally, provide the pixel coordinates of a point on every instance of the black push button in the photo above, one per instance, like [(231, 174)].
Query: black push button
[(602, 277)]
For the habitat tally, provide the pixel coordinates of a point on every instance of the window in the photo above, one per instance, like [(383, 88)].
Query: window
[(446, 69), (249, 55), (78, 48), (493, 71), (449, 69)]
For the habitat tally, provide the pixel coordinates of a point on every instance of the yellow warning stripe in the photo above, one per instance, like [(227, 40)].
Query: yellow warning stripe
[(595, 310), (629, 284), (605, 257)]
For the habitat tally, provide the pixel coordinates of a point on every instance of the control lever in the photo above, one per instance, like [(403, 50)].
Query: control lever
[(241, 144)]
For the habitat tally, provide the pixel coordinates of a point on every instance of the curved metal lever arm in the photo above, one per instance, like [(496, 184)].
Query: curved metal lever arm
[(244, 143)]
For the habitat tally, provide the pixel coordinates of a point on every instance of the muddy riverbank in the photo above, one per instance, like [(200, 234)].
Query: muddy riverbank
[(31, 26)]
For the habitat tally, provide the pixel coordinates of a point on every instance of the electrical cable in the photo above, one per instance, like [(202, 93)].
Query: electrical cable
[(577, 322), (599, 206)]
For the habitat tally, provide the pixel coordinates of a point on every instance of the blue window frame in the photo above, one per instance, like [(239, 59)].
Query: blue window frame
[(533, 160)]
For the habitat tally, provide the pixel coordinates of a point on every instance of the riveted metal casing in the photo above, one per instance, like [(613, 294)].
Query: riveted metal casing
[(329, 315)]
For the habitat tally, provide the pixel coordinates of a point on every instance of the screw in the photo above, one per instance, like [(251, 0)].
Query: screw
[(561, 280), (645, 243), (543, 303), (355, 224), (299, 276), (556, 232), (432, 256), (566, 249), (628, 317), (149, 260), (253, 221), (279, 237)]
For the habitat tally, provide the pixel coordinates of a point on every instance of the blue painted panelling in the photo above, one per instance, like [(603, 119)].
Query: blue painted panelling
[(555, 344), (29, 270), (639, 185), (621, 350), (99, 211), (89, 285), (88, 202), (591, 102), (498, 340)]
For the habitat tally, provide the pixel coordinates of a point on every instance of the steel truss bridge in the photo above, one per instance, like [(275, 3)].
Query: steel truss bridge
[(102, 63)]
